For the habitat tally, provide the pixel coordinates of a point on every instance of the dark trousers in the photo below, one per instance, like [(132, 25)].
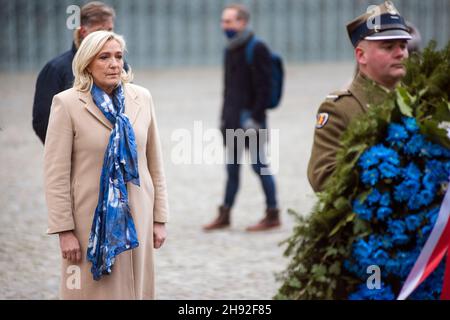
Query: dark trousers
[(259, 165)]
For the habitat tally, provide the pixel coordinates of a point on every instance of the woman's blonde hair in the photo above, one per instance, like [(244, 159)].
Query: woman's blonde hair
[(87, 51)]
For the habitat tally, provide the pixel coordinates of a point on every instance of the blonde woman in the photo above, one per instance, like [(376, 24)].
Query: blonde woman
[(104, 178)]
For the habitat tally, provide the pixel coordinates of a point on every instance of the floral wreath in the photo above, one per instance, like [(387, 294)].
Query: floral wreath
[(381, 203)]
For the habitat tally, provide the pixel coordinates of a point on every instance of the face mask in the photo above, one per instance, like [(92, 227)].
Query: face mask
[(230, 33)]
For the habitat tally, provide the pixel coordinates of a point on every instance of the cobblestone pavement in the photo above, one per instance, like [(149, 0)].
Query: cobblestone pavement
[(229, 264)]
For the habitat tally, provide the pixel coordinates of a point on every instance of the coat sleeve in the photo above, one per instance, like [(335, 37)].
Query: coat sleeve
[(261, 81), (48, 84), (325, 145), (156, 167), (57, 168)]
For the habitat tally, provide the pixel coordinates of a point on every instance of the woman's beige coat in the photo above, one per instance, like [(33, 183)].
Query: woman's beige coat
[(75, 145)]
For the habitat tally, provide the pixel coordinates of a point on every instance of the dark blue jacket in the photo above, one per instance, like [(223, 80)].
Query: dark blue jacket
[(246, 86), (55, 77)]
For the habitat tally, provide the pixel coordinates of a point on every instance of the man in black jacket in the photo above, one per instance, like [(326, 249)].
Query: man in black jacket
[(57, 75), (247, 92)]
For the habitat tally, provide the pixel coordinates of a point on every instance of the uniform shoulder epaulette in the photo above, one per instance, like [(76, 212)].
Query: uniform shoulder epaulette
[(336, 95)]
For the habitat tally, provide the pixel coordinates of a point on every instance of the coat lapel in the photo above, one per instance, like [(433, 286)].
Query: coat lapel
[(90, 106), (132, 106)]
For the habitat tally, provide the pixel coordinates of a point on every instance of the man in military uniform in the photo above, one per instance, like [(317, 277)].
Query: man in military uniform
[(380, 40)]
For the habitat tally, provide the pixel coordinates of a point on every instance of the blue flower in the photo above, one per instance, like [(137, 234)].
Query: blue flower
[(415, 202), (413, 221), (380, 257), (397, 134), (391, 156), (437, 170), (383, 213), (364, 293), (412, 172), (425, 232), (429, 181), (397, 229), (415, 144), (385, 241), (374, 196), (402, 263), (392, 266), (370, 177), (396, 226), (447, 166), (367, 251), (385, 199), (429, 151), (432, 214), (406, 190), (377, 154), (400, 239), (362, 249), (418, 200), (434, 150), (410, 124), (427, 197), (388, 170), (364, 212), (367, 160)]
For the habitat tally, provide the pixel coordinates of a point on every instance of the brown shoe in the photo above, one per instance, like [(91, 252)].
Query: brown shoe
[(270, 221), (222, 221)]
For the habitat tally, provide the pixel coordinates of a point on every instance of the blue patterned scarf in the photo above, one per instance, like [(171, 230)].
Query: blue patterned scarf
[(113, 229)]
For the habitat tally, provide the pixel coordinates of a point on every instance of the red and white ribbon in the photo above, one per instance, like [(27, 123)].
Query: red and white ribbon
[(432, 254)]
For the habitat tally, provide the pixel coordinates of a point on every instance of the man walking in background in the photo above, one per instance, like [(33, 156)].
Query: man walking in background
[(247, 94)]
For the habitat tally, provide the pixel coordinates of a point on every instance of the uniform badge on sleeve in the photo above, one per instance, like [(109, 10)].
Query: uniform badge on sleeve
[(322, 119)]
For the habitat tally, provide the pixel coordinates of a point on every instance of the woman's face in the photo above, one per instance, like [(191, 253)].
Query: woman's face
[(107, 66)]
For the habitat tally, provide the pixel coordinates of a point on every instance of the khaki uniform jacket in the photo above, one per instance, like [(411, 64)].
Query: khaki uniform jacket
[(77, 136), (333, 117)]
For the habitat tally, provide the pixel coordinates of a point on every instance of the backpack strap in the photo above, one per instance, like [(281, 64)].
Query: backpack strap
[(249, 49)]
